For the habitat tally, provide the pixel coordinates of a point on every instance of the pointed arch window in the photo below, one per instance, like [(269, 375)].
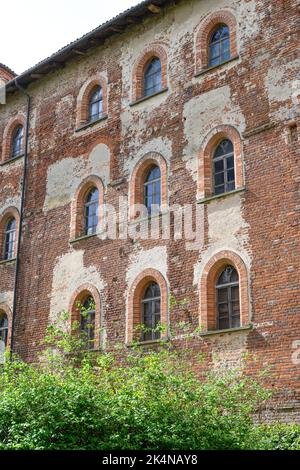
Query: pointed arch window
[(151, 312), (10, 239), (87, 322), (152, 190), (223, 166), (153, 77), (96, 104), (219, 45), (91, 209), (17, 142), (228, 303)]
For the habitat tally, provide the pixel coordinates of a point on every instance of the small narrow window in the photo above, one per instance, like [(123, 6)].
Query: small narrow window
[(17, 142), (3, 329), (87, 322), (223, 162), (219, 46), (152, 190), (152, 78), (228, 302), (91, 209), (151, 312), (96, 104), (10, 239)]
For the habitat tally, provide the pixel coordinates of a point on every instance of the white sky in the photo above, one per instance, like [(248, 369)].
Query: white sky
[(31, 30)]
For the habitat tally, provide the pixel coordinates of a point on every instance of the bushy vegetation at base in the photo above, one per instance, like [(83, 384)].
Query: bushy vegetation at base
[(92, 402)]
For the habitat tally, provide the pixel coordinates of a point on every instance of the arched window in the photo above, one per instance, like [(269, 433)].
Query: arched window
[(223, 162), (96, 104), (91, 209), (228, 302), (10, 239), (3, 329), (152, 190), (17, 142), (153, 77), (87, 322), (151, 312), (219, 46)]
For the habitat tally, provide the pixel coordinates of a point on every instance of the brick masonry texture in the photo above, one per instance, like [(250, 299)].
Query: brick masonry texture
[(254, 100)]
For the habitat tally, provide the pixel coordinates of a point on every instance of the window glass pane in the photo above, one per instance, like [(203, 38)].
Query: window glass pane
[(219, 166), (152, 77), (219, 179), (219, 190)]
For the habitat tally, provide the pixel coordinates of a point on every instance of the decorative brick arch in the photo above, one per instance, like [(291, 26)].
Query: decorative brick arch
[(77, 208), (208, 313), (79, 296), (4, 309), (9, 213), (205, 167), (136, 185), (204, 32), (84, 96), (15, 122), (152, 51), (134, 312)]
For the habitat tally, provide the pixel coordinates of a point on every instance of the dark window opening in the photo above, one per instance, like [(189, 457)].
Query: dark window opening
[(10, 239), (91, 208), (152, 190), (3, 329), (17, 142), (228, 299), (96, 104), (87, 322)]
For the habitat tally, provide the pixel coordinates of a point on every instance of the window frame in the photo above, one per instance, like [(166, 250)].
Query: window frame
[(17, 142), (5, 328), (224, 158), (153, 184), (88, 324), (220, 42), (156, 87), (151, 335), (95, 101)]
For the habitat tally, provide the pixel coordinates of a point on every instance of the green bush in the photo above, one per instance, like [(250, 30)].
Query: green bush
[(278, 437), (78, 400)]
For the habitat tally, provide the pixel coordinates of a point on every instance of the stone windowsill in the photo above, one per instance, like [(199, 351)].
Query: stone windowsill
[(6, 262), (11, 160), (84, 237), (229, 330), (215, 67), (91, 123), (208, 199), (145, 98)]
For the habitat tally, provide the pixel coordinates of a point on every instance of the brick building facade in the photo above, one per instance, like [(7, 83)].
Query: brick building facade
[(205, 94)]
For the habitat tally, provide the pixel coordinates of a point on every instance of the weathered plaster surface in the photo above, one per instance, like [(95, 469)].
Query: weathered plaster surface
[(64, 177), (155, 258), (68, 275)]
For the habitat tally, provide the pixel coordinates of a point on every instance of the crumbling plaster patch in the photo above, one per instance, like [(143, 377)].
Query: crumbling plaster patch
[(161, 145), (12, 201), (69, 274), (227, 230), (65, 176), (202, 114)]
